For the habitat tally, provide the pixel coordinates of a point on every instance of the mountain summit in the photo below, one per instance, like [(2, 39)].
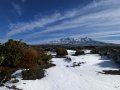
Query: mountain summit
[(77, 41)]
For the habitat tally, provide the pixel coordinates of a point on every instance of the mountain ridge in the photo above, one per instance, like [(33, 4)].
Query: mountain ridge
[(85, 41)]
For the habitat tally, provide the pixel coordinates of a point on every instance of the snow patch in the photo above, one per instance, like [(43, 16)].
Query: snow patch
[(84, 77)]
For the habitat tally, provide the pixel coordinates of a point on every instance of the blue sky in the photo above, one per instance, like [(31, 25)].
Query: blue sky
[(37, 21)]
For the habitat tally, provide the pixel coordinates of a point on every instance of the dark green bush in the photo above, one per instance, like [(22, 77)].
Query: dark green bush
[(46, 58), (79, 52), (1, 54), (1, 59), (111, 52), (5, 73), (12, 52), (94, 51), (32, 74)]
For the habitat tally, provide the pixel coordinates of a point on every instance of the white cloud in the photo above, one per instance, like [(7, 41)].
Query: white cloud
[(40, 22), (100, 13), (17, 8), (101, 34), (28, 26), (101, 19)]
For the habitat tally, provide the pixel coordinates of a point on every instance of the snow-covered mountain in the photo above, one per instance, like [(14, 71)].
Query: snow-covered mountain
[(77, 41)]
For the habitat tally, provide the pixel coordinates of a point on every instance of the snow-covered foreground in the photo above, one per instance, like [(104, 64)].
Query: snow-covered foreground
[(83, 77)]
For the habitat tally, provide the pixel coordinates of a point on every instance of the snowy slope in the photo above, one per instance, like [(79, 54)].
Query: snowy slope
[(84, 77), (77, 41)]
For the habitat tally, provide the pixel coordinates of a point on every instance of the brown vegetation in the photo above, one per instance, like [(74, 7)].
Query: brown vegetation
[(17, 54), (61, 51)]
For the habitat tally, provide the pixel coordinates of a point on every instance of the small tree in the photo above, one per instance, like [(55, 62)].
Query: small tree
[(61, 51)]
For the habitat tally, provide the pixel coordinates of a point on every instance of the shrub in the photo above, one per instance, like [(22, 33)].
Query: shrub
[(32, 74), (5, 73), (46, 58), (1, 59), (29, 58), (1, 54), (16, 54), (43, 58), (33, 57), (13, 53), (94, 51), (61, 51), (79, 52)]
